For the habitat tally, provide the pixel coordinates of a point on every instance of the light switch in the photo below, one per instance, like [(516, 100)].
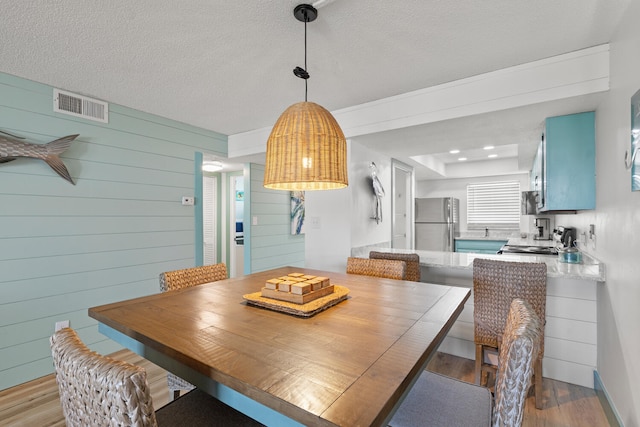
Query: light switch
[(61, 324)]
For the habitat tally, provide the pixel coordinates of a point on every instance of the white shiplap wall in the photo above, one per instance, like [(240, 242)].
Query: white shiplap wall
[(66, 248)]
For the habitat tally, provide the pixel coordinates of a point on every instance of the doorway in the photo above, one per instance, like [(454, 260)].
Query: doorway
[(236, 225), (402, 188), (219, 197)]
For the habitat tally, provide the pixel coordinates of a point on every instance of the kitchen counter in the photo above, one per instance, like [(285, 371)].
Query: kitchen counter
[(530, 241), (590, 269)]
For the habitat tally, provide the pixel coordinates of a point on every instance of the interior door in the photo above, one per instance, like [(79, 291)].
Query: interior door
[(402, 205)]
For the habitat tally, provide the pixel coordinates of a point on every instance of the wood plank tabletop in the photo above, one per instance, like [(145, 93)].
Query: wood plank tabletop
[(346, 366)]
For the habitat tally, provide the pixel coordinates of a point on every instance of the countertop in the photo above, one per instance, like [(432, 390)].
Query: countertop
[(589, 269), (530, 241)]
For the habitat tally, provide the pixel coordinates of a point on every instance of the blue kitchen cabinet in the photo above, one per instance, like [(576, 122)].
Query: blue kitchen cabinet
[(479, 246), (567, 164)]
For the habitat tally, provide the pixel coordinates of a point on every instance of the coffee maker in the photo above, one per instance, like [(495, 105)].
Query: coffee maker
[(542, 229), (565, 236)]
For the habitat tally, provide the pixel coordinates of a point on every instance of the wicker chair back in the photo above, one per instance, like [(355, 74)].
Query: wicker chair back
[(412, 260), (389, 269), (178, 279), (96, 390), (519, 350), (495, 285)]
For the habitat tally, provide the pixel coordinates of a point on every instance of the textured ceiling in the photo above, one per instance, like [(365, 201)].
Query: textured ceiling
[(226, 65)]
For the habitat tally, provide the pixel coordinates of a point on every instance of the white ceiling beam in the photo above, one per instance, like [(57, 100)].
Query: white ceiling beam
[(572, 74)]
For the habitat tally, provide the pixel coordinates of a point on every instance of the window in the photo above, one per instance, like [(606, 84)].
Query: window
[(494, 205)]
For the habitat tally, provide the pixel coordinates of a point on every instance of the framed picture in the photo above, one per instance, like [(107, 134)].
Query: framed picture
[(297, 212), (635, 142)]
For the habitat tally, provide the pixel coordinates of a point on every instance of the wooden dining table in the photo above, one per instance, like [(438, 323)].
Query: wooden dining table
[(348, 365)]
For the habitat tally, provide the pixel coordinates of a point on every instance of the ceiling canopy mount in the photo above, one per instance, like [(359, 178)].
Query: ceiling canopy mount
[(305, 13)]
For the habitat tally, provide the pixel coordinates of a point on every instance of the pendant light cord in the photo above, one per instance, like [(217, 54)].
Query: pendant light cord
[(305, 56), (305, 17)]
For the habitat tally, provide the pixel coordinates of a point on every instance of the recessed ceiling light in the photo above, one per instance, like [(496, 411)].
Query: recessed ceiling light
[(462, 159), (488, 147), (492, 156), (454, 151), (213, 166)]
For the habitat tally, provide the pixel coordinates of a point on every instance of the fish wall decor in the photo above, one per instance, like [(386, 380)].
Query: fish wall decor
[(11, 147)]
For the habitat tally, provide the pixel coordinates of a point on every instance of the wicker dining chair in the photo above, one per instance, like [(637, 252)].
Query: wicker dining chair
[(97, 390), (178, 279), (186, 278), (389, 269), (412, 260), (436, 400), (495, 285)]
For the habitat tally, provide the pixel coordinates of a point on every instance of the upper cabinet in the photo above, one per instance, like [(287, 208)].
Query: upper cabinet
[(564, 170), (537, 174)]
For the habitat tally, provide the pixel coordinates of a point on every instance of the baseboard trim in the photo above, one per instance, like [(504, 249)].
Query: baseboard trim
[(605, 401)]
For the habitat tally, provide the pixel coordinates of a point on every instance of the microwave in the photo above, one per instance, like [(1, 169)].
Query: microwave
[(529, 203)]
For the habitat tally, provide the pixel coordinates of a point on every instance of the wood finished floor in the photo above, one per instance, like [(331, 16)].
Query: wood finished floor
[(565, 405)]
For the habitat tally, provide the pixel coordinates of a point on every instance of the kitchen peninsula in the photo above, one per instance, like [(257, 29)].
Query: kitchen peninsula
[(571, 323)]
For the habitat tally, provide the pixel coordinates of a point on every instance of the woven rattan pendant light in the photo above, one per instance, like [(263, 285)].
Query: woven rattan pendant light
[(307, 149)]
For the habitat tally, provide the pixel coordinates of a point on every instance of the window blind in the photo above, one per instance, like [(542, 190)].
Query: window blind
[(494, 205), (209, 219)]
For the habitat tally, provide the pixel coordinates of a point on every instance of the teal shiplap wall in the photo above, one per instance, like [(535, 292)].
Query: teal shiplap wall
[(270, 243), (65, 248)]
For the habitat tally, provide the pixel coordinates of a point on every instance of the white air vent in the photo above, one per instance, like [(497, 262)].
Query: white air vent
[(80, 106)]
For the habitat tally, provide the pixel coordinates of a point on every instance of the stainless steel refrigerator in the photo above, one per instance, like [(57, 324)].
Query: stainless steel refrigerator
[(436, 223)]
